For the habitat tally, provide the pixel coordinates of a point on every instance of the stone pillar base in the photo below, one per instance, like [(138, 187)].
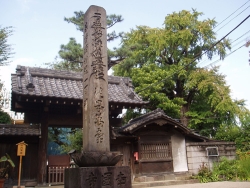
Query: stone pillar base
[(97, 177)]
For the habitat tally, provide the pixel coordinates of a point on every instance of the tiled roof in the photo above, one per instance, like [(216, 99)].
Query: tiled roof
[(157, 116), (33, 81), (19, 130), (151, 116)]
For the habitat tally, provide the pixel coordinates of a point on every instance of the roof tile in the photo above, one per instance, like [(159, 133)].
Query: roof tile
[(19, 130), (153, 116), (68, 85)]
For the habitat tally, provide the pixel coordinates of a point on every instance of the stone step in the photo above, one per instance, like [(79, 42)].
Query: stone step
[(163, 183)]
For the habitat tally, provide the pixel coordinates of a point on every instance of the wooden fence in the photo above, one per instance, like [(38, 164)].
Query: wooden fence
[(56, 175)]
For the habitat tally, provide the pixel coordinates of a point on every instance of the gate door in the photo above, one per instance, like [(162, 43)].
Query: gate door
[(56, 167)]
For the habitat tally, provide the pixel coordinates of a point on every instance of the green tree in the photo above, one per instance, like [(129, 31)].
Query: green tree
[(5, 53), (212, 106), (4, 116), (112, 19), (5, 48), (238, 134), (66, 139), (74, 141), (57, 135), (70, 55), (228, 133), (243, 140), (163, 65)]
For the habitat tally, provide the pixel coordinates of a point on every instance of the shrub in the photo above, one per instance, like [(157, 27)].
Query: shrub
[(244, 165), (4, 117), (226, 170), (205, 175)]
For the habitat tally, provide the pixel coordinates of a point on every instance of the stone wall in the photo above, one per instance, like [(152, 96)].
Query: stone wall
[(197, 154)]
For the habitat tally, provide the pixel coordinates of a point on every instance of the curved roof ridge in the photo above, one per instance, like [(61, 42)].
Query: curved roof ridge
[(155, 114), (158, 110)]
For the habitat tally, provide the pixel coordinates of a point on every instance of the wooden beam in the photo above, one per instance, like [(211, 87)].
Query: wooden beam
[(42, 151), (57, 120)]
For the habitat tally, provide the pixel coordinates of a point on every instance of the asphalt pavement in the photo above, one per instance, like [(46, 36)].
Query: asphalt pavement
[(224, 184)]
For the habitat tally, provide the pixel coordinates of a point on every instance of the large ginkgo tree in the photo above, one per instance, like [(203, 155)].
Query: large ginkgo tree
[(164, 66)]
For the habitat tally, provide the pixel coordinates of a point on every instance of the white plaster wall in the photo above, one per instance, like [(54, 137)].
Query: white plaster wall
[(179, 152)]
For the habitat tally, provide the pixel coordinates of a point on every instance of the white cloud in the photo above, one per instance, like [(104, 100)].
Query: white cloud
[(5, 76), (6, 71)]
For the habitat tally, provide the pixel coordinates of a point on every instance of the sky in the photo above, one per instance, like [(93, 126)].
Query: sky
[(40, 29)]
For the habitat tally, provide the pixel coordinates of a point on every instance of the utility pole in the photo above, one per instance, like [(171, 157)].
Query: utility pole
[(249, 58), (247, 45)]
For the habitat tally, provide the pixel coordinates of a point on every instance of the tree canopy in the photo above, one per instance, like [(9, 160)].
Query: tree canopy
[(112, 19), (70, 55), (5, 48), (5, 53), (238, 134), (4, 116), (74, 141), (163, 65), (65, 139)]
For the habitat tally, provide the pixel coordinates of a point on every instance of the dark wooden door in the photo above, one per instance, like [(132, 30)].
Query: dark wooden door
[(155, 154), (125, 150)]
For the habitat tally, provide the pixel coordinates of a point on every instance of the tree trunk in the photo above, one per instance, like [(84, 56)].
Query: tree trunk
[(184, 118)]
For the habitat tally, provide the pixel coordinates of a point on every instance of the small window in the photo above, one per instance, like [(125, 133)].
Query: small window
[(212, 151), (155, 151)]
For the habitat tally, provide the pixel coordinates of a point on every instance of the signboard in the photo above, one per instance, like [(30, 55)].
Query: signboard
[(21, 148)]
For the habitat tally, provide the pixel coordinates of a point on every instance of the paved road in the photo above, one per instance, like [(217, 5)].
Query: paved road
[(224, 184)]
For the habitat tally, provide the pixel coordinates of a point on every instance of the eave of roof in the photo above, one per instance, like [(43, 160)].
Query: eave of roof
[(158, 116), (40, 82), (19, 130)]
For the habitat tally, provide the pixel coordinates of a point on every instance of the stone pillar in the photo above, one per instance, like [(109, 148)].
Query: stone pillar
[(95, 82), (96, 162)]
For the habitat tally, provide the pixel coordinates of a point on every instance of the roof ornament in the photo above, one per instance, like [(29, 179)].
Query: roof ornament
[(131, 95), (30, 86), (161, 122)]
